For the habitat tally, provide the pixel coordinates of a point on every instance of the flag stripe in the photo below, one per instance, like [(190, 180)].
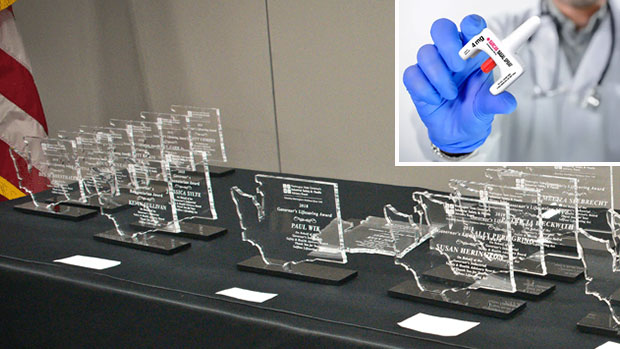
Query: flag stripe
[(10, 40), (15, 124), (17, 85), (9, 191)]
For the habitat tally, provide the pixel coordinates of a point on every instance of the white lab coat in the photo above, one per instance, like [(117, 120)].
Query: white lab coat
[(559, 128)]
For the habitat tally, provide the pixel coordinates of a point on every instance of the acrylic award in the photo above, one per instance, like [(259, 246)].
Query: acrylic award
[(206, 134), (284, 221), (599, 250), (143, 137), (599, 257), (192, 197), (528, 246), (560, 215), (463, 245), (560, 211), (189, 177), (150, 207), (51, 163), (595, 194), (122, 155), (94, 150), (527, 225)]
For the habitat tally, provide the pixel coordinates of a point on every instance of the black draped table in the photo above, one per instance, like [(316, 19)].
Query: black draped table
[(153, 300)]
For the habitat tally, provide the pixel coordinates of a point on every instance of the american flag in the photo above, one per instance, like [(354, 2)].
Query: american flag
[(21, 112)]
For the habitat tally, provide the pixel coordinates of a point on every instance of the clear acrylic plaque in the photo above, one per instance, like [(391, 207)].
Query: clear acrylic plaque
[(527, 224), (594, 190), (175, 133), (206, 132), (94, 157), (469, 243), (51, 164), (192, 192), (144, 138), (453, 246), (154, 207), (600, 261), (560, 212), (285, 218), (473, 237), (56, 161)]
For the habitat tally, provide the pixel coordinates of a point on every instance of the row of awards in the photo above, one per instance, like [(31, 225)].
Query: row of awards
[(484, 247)]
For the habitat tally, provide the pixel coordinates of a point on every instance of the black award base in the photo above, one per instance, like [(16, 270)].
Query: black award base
[(60, 211), (555, 271), (219, 171), (526, 288), (185, 229), (599, 323), (303, 271), (470, 301), (93, 202), (193, 230), (146, 242)]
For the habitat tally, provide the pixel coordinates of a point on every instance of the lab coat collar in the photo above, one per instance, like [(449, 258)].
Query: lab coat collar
[(546, 52)]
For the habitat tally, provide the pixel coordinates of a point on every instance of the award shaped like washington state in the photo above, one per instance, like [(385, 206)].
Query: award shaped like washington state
[(461, 245), (473, 237), (206, 134), (284, 221), (51, 163), (600, 261), (139, 179), (150, 208), (599, 249)]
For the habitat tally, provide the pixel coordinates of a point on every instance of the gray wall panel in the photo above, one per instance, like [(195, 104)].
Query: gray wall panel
[(213, 53), (333, 76)]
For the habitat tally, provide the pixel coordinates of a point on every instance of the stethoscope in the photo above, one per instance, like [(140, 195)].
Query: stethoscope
[(592, 99)]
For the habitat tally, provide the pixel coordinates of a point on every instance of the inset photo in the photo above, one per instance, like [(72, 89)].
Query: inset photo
[(491, 81)]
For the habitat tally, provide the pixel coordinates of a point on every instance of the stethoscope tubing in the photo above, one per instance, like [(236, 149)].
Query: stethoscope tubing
[(539, 91)]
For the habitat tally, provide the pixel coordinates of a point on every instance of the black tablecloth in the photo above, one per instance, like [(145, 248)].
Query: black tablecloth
[(157, 300)]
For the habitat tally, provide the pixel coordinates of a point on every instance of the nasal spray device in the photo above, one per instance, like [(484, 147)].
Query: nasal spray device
[(501, 53)]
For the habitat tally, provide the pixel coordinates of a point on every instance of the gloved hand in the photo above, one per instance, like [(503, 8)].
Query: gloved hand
[(452, 95)]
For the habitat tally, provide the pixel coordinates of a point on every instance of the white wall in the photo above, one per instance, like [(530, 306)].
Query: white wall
[(415, 20)]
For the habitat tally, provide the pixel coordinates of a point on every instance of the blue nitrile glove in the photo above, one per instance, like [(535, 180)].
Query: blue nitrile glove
[(452, 95)]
